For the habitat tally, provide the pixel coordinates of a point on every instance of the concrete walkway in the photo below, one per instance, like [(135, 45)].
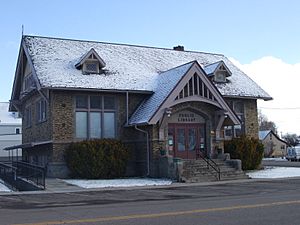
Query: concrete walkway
[(58, 185)]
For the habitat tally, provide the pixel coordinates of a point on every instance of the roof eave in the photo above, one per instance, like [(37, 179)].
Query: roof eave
[(99, 90)]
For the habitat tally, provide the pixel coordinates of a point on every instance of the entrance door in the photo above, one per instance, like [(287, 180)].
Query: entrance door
[(187, 140)]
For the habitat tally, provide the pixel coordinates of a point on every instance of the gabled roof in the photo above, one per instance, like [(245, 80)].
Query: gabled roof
[(165, 84), (169, 85), (212, 68), (87, 55), (128, 67), (262, 134)]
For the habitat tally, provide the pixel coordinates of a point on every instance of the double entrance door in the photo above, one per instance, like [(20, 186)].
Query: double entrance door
[(187, 141)]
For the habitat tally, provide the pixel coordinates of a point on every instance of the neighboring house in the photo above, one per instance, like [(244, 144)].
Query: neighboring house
[(273, 145), (10, 131), (155, 100)]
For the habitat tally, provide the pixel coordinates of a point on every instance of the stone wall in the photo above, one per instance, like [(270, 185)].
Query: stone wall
[(63, 108), (251, 118), (38, 131), (250, 115)]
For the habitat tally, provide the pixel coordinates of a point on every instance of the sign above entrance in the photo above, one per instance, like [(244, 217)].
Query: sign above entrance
[(186, 116)]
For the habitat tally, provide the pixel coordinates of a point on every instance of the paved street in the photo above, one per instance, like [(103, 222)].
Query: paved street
[(246, 202)]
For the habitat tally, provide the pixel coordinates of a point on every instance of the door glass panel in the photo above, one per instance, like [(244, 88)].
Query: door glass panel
[(192, 139), (170, 139), (181, 139)]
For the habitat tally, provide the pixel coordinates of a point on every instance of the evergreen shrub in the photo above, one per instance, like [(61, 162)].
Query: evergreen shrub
[(97, 159), (249, 150)]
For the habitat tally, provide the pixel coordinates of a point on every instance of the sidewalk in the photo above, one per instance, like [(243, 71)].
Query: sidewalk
[(54, 185), (58, 185)]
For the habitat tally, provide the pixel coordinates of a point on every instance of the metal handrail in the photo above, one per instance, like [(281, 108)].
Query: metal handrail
[(210, 163), (7, 173), (31, 172)]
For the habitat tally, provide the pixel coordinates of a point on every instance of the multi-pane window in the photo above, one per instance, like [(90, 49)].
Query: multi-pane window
[(236, 130), (41, 110), (95, 116), (28, 82), (90, 67), (27, 116)]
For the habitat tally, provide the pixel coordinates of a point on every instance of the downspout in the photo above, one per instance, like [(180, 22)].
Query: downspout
[(148, 152)]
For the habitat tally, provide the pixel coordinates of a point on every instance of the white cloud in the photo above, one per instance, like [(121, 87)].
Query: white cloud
[(282, 81)]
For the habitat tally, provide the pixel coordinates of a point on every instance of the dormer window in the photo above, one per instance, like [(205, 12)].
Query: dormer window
[(91, 63), (220, 77), (91, 67), (217, 71)]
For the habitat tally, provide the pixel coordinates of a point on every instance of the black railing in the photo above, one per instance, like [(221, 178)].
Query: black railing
[(31, 172), (209, 163), (8, 174)]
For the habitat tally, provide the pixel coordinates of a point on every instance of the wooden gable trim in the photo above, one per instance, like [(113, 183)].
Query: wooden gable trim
[(170, 100), (86, 58), (29, 61), (226, 68), (17, 77)]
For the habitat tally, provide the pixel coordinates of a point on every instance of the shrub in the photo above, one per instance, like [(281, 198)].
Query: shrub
[(249, 150), (98, 158)]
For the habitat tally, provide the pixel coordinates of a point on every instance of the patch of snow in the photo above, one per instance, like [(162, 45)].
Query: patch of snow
[(3, 188), (168, 80), (127, 67), (132, 182), (275, 159), (275, 172)]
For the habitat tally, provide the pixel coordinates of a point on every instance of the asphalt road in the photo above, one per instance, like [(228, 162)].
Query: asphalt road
[(260, 203)]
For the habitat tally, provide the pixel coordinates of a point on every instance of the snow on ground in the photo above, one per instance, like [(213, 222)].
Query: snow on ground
[(3, 187), (274, 159), (132, 182), (275, 172)]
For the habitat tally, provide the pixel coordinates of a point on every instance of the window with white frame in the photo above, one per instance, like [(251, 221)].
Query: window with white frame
[(27, 116), (41, 110), (95, 116)]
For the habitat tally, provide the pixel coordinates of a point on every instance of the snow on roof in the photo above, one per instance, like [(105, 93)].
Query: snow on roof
[(263, 133), (165, 84), (128, 67), (211, 68), (8, 118)]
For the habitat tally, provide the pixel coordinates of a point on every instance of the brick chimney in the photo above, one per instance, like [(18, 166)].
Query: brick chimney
[(178, 48)]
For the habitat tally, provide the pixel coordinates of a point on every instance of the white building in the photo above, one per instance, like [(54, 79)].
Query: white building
[(10, 131)]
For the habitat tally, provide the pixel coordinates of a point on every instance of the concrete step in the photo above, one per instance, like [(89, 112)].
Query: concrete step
[(197, 171)]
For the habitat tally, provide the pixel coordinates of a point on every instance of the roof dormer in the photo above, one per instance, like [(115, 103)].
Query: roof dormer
[(218, 71), (91, 63)]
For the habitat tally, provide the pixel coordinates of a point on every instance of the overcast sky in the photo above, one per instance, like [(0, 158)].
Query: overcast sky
[(260, 36)]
